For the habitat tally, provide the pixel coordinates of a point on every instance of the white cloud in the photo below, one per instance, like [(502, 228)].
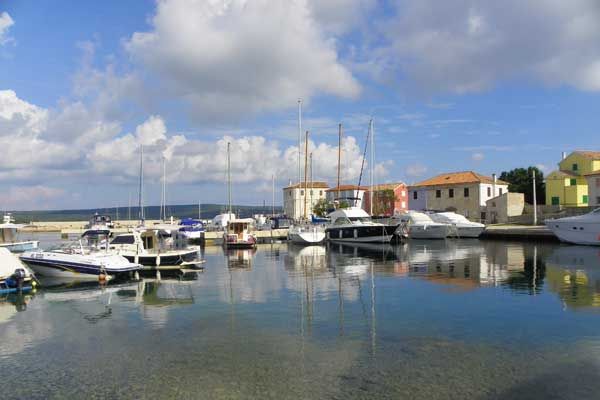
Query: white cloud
[(477, 156), (5, 23), (30, 197), (458, 47), (230, 57), (340, 16), (416, 170)]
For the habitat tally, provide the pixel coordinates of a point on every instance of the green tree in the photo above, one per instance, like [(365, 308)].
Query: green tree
[(520, 180), (383, 202), (322, 208)]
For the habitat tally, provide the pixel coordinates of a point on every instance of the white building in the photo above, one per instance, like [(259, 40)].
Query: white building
[(593, 183), (295, 199), (351, 194)]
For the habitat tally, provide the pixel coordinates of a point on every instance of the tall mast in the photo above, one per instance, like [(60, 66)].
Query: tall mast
[(339, 159), (199, 211), (273, 194), (372, 167), (305, 173), (311, 182), (129, 207), (163, 195), (299, 138), (229, 178), (141, 189)]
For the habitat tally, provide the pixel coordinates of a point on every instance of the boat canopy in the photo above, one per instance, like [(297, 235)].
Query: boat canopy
[(190, 222)]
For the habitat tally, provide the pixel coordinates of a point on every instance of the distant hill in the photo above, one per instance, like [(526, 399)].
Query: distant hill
[(152, 212)]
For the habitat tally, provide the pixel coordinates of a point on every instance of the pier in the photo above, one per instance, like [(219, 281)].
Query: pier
[(519, 232)]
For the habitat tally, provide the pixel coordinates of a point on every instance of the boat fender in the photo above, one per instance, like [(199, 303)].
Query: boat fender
[(102, 275)]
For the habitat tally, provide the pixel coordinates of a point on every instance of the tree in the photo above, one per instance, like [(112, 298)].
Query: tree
[(383, 202), (322, 208), (520, 180)]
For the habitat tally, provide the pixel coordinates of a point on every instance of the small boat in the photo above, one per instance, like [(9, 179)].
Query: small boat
[(240, 234), (78, 264), (193, 230), (460, 226), (306, 233), (581, 229), (9, 237), (155, 246), (99, 225), (14, 275), (353, 224), (418, 225)]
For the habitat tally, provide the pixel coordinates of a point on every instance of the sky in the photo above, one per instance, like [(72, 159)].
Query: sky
[(451, 86)]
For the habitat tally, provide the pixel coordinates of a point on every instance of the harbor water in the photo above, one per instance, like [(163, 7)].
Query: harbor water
[(452, 319)]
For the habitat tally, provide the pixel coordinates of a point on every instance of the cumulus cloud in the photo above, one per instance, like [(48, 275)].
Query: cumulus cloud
[(230, 57), (32, 197), (458, 46), (416, 170), (477, 156), (5, 23)]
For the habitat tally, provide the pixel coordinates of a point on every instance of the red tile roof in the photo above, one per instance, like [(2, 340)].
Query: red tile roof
[(594, 155), (314, 185), (457, 178), (347, 187)]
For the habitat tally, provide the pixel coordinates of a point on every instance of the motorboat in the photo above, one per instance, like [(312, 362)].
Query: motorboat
[(154, 246), (239, 233), (193, 230), (80, 264), (9, 238), (14, 275), (418, 225), (306, 233), (460, 226), (353, 224), (99, 225), (220, 221), (581, 229)]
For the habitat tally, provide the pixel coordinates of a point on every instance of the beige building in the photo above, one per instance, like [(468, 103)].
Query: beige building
[(499, 209), (593, 184), (463, 192), (351, 194), (296, 199)]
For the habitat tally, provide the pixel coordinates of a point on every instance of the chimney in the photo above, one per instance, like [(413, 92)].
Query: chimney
[(494, 185), (564, 155)]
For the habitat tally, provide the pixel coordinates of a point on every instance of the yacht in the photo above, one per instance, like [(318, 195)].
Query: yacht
[(239, 234), (192, 229), (460, 226), (14, 275), (353, 224), (581, 229), (99, 225), (418, 225), (306, 233), (154, 246), (9, 237), (79, 264)]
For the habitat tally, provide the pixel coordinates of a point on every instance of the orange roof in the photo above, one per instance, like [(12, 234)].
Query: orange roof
[(594, 155), (314, 185), (457, 178), (347, 187), (388, 186), (597, 172)]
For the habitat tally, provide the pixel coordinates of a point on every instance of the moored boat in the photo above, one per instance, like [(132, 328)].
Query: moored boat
[(14, 275), (460, 226), (9, 237), (581, 229), (353, 224), (306, 233), (239, 234), (418, 225)]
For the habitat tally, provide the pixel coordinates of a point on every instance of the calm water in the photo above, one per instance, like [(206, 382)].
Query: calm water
[(427, 320)]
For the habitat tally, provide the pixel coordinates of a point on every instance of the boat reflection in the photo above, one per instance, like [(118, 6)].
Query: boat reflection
[(239, 258), (574, 273), (11, 303)]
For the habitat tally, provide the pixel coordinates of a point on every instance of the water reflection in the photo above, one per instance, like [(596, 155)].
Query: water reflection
[(239, 258)]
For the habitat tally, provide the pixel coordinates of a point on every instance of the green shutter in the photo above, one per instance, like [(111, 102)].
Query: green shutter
[(555, 201), (573, 181), (575, 167), (585, 199)]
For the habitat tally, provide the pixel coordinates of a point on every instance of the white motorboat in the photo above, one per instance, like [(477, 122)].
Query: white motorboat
[(9, 237), (14, 275), (353, 224), (78, 264), (154, 246), (460, 226), (239, 234), (306, 233), (193, 230), (418, 225), (99, 225), (581, 229)]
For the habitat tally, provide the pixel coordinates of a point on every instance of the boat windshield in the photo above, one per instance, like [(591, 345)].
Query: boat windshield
[(360, 219)]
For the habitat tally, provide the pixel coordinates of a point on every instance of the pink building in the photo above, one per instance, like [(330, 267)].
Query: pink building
[(400, 192)]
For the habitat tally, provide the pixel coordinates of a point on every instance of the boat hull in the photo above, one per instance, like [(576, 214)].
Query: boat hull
[(60, 268), (576, 232), (306, 235), (362, 234), (427, 232), (466, 232), (166, 259)]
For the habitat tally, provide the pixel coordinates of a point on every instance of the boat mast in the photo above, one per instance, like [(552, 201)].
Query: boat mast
[(311, 182), (305, 173), (199, 211), (229, 179), (163, 195), (339, 160), (141, 188), (371, 171), (273, 195), (299, 138)]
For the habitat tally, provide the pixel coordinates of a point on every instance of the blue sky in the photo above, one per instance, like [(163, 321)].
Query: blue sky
[(457, 86)]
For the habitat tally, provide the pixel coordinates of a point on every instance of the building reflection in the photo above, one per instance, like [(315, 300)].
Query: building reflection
[(239, 258)]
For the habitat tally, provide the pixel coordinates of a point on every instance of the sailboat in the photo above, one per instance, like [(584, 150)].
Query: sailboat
[(353, 224), (239, 232)]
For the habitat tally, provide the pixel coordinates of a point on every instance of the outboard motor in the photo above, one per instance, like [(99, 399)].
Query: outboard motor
[(19, 277)]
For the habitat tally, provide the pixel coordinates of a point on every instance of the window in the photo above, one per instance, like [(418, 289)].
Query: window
[(555, 201), (302, 193), (575, 167), (123, 239), (290, 194), (438, 193), (403, 204), (415, 195), (320, 193), (311, 192), (489, 191), (500, 192), (451, 193), (598, 200), (597, 182), (573, 181), (585, 199), (403, 193), (466, 192), (483, 216)]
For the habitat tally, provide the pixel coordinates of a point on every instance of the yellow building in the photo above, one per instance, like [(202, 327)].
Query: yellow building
[(568, 186)]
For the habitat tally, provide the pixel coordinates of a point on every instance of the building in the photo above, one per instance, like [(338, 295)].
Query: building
[(500, 208), (593, 183), (294, 198), (463, 192), (352, 195), (568, 185), (399, 205)]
